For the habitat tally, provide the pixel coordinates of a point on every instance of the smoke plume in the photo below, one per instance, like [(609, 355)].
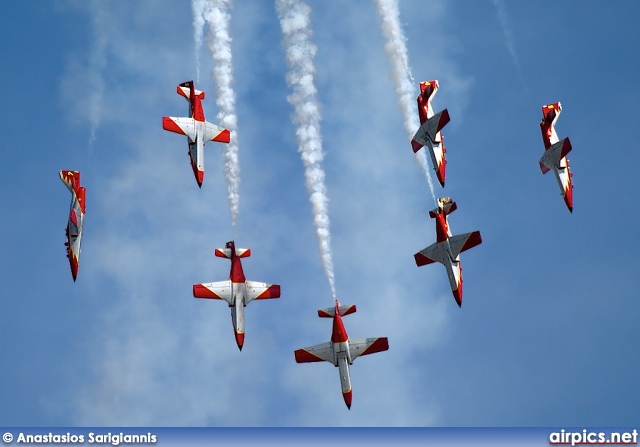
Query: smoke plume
[(300, 52), (217, 17), (396, 51), (97, 64), (198, 7), (503, 18)]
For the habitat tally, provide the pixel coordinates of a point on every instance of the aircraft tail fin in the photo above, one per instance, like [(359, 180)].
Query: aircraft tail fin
[(430, 87), (71, 179), (446, 204), (330, 312), (185, 88), (226, 252)]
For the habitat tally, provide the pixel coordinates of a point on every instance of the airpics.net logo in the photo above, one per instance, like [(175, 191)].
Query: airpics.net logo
[(585, 437)]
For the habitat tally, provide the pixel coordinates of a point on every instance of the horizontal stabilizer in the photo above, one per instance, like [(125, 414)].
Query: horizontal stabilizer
[(331, 311), (184, 89), (446, 204), (226, 252)]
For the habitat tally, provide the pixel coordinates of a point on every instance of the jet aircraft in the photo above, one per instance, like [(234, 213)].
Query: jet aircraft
[(236, 291), (555, 155), (76, 218), (196, 128), (341, 350), (447, 248), (429, 132)]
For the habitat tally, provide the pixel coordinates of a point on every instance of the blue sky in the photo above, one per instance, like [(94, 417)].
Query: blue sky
[(547, 334)]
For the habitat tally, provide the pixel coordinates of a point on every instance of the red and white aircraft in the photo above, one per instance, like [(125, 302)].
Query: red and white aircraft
[(429, 132), (555, 155), (196, 128), (341, 350), (76, 218), (236, 291), (447, 248)]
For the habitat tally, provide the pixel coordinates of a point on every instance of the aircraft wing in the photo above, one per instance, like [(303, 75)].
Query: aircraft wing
[(183, 126), (220, 290), (215, 133), (430, 254), (318, 353), (261, 291), (463, 242), (364, 346), (554, 154), (427, 132)]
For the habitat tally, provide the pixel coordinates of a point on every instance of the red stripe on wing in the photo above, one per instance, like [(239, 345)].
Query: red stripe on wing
[(422, 259), (566, 148), (381, 344), (271, 292), (171, 126), (222, 137), (304, 356), (473, 240), (200, 291), (444, 119)]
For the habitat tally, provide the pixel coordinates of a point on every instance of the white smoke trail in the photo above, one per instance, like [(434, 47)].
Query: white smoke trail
[(217, 16), (300, 51), (503, 18), (396, 51), (198, 7), (97, 64)]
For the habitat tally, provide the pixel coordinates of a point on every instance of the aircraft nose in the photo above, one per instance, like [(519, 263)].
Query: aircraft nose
[(74, 266), (347, 398), (240, 339), (457, 294), (200, 178), (568, 198)]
